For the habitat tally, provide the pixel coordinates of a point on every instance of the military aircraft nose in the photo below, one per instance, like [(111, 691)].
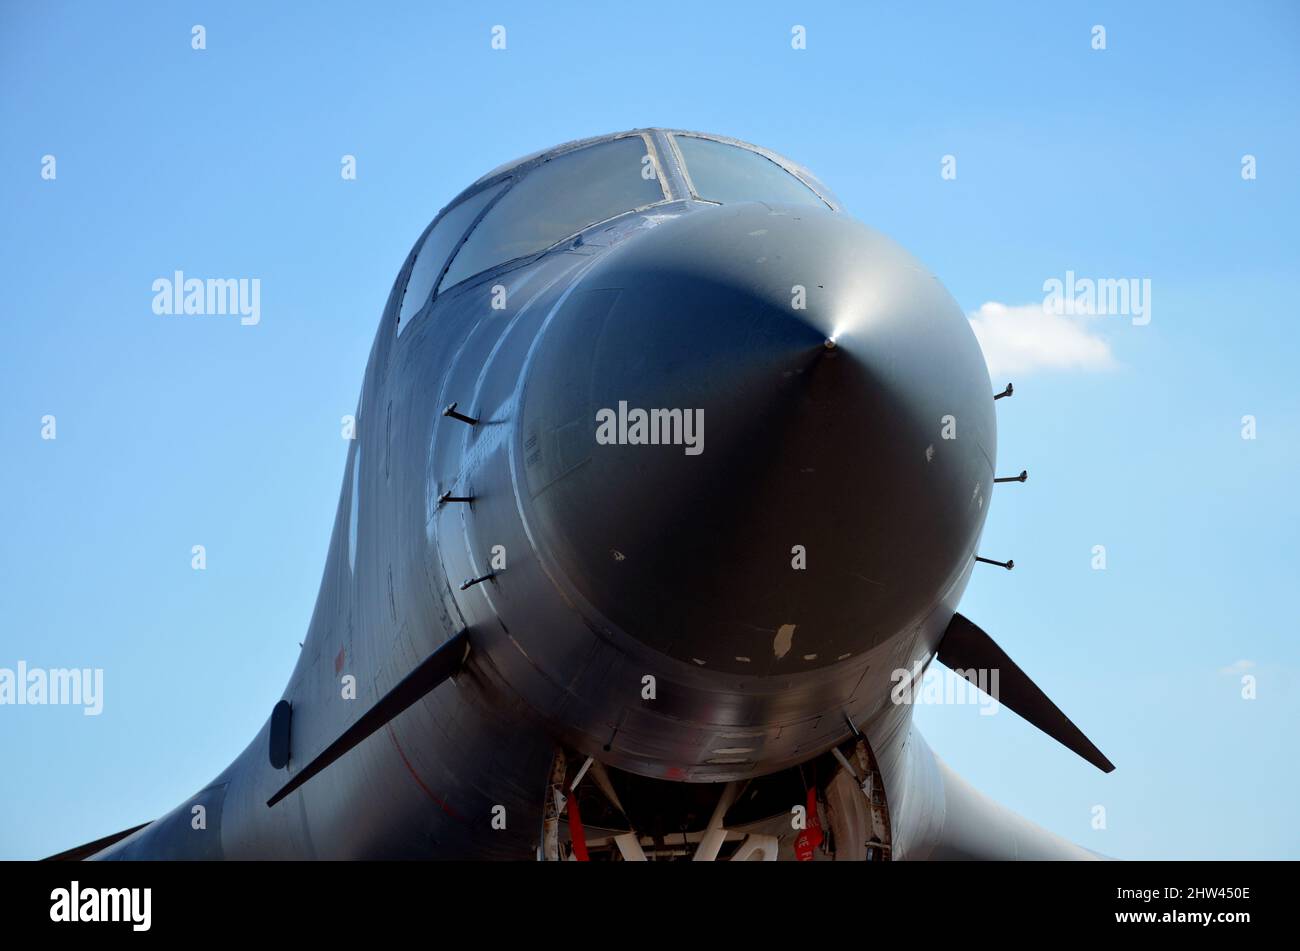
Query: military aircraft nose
[(758, 439)]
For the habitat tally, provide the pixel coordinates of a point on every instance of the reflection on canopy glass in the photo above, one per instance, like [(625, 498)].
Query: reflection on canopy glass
[(556, 200), (438, 244), (727, 173)]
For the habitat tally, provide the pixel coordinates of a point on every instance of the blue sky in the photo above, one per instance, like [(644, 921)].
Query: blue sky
[(1117, 163)]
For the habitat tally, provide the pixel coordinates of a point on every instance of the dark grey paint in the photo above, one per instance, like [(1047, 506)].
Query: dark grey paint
[(681, 305)]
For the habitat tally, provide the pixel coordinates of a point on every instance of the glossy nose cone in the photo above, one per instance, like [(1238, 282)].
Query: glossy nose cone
[(758, 439)]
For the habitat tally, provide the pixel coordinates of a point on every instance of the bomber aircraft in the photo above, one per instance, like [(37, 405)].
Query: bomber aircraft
[(668, 476)]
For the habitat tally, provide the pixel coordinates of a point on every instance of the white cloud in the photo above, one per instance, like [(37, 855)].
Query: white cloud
[(1027, 337), (1238, 667)]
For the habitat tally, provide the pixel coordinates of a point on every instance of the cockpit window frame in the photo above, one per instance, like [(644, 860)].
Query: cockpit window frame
[(671, 172), (503, 185), (690, 182), (661, 179), (510, 181)]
